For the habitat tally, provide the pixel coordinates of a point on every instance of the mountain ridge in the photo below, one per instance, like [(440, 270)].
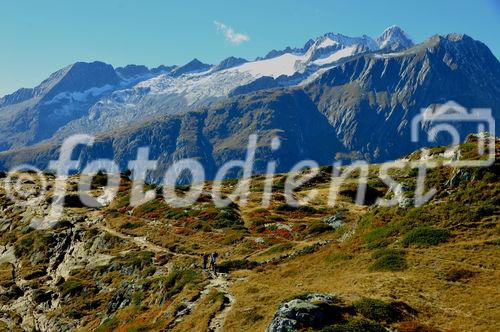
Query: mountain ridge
[(356, 91)]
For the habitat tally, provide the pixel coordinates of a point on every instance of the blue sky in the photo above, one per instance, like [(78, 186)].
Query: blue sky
[(39, 37)]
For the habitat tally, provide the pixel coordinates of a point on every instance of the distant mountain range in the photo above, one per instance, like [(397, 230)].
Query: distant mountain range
[(335, 94)]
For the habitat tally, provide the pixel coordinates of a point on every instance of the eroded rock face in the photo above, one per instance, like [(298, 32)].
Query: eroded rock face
[(459, 176), (312, 310), (121, 298)]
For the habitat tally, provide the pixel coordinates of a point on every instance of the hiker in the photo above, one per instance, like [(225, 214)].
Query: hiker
[(204, 261), (213, 263)]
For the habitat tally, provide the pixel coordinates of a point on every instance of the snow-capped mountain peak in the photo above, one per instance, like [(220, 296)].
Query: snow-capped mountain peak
[(327, 42), (394, 38)]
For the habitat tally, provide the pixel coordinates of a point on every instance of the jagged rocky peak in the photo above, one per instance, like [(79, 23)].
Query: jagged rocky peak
[(194, 66), (394, 38), (346, 41), (79, 76), (328, 43), (459, 46), (229, 63), (162, 69), (76, 77), (17, 97), (130, 71)]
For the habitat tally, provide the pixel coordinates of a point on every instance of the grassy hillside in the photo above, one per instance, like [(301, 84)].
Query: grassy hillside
[(430, 268)]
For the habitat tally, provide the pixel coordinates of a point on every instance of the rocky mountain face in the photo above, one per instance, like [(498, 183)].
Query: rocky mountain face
[(348, 94), (371, 100), (31, 115)]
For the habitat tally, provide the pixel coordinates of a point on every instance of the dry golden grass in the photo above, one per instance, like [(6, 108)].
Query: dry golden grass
[(460, 306)]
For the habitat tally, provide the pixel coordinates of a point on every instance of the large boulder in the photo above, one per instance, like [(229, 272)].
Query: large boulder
[(308, 311)]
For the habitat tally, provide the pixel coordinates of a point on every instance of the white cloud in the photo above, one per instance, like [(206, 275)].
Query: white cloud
[(232, 36)]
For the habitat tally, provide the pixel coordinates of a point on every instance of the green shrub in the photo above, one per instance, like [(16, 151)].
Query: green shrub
[(227, 217), (63, 224), (388, 260), (355, 325), (138, 297), (177, 280), (122, 201), (426, 236), (289, 208), (130, 225), (135, 259), (279, 184), (376, 310), (74, 314), (238, 264), (318, 227), (215, 296), (218, 218), (41, 295), (252, 316), (154, 205), (379, 237), (233, 236), (73, 201), (99, 180)]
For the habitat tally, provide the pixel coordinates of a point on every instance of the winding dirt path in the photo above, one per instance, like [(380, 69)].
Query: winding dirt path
[(141, 241), (222, 284)]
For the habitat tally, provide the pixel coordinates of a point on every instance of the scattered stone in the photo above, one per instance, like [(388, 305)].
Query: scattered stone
[(336, 221)]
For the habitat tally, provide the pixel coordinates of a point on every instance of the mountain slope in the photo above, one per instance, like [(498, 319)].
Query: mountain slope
[(94, 98), (363, 103), (123, 268), (216, 135), (371, 100), (31, 115)]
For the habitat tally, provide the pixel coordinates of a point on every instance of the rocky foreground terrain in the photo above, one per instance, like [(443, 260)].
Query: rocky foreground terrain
[(344, 268)]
